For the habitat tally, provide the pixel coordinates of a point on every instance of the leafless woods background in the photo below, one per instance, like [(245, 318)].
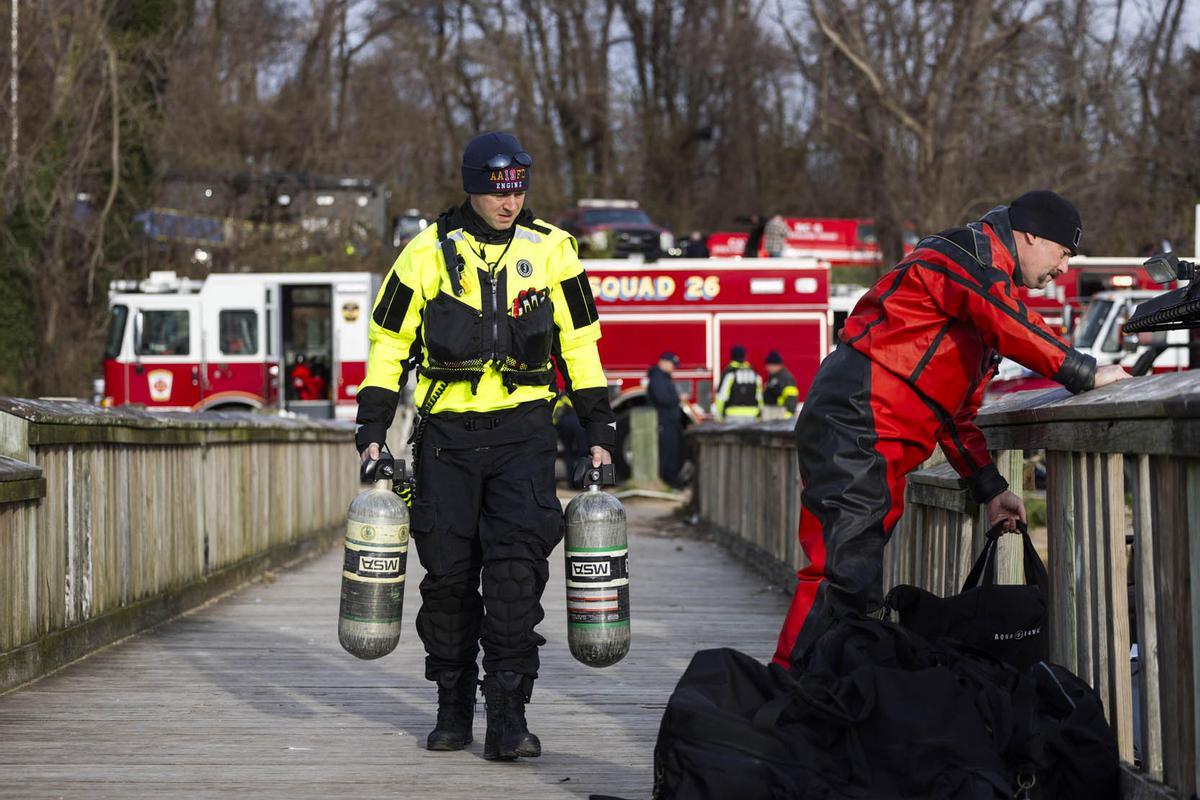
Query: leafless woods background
[(900, 110)]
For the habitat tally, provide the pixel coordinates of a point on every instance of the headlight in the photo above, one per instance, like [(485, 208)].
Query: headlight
[(665, 241), (598, 240)]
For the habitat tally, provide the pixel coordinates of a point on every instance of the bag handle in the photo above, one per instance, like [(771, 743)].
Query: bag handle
[(983, 573)]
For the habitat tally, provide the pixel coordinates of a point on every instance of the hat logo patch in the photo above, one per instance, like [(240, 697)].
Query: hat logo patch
[(1078, 233), (524, 268), (512, 179)]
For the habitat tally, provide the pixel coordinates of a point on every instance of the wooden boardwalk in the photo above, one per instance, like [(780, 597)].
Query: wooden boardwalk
[(252, 695)]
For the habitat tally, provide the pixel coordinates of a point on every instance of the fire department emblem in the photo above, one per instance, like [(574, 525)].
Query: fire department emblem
[(524, 268), (350, 311), (160, 384)]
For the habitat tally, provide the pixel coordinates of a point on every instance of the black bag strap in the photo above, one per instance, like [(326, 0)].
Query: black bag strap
[(454, 262), (983, 573), (769, 712)]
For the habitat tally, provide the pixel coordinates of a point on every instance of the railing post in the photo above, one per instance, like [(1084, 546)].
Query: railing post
[(643, 430), (1010, 565)]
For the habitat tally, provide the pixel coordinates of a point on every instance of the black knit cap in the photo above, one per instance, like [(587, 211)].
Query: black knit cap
[(737, 353), (773, 357), (1049, 215), (479, 178)]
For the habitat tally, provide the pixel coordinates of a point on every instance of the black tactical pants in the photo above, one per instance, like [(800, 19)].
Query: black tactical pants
[(485, 508)]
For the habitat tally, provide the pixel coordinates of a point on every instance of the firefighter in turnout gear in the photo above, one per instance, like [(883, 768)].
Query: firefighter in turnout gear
[(780, 391), (915, 357), (483, 306), (740, 393)]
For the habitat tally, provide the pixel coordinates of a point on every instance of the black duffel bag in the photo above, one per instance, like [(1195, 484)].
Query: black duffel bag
[(882, 716), (1005, 621)]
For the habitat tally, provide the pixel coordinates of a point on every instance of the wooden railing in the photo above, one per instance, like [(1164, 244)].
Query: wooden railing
[(1123, 526), (114, 520)]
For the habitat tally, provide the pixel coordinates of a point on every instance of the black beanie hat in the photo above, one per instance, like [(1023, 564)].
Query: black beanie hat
[(737, 353), (1049, 215), (773, 357), (512, 176)]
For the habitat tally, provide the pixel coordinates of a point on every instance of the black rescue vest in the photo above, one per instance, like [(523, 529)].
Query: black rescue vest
[(461, 341), (744, 391)]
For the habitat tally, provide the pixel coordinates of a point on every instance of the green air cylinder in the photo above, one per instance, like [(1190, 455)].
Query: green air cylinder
[(373, 570), (597, 553)]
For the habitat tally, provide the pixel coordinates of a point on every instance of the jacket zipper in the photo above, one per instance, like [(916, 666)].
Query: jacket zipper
[(495, 313)]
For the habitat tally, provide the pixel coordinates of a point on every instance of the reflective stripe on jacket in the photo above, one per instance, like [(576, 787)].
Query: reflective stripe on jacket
[(474, 339), (740, 392)]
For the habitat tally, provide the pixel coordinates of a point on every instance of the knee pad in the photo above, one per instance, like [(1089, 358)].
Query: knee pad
[(512, 592), (451, 609)]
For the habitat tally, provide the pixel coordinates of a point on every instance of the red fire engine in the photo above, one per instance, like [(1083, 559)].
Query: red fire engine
[(1064, 298), (240, 341), (699, 308), (839, 242), (299, 340)]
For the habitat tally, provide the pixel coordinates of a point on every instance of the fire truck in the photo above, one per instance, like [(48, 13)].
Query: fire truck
[(839, 242), (699, 308), (290, 341), (1063, 299), (298, 341)]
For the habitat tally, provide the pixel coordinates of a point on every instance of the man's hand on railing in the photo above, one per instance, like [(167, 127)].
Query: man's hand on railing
[(1110, 374), (1007, 507)]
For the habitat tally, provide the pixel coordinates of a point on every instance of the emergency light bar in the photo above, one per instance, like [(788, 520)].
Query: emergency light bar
[(159, 282), (600, 202)]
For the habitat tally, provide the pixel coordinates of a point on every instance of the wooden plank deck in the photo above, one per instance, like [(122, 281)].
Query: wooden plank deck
[(252, 695)]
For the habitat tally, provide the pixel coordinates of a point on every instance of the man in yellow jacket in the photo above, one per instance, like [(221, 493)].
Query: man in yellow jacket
[(484, 305)]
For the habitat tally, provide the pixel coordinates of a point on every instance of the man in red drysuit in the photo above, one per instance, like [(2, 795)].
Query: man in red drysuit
[(916, 354)]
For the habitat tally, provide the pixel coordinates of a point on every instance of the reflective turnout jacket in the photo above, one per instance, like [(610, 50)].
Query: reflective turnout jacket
[(740, 393), (781, 390), (494, 351), (943, 318)]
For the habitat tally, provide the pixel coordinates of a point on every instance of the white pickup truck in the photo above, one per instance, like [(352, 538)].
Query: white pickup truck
[(1098, 334)]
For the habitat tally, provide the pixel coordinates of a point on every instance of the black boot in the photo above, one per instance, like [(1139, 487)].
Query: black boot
[(505, 695), (456, 709)]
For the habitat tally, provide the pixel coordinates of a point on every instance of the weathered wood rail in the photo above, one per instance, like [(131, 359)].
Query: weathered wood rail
[(1123, 509), (113, 520)]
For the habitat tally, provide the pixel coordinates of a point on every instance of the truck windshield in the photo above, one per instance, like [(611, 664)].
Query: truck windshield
[(116, 331), (1092, 322), (164, 333), (615, 216)]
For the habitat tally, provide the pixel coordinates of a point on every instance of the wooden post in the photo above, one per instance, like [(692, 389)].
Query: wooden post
[(1010, 564), (1112, 548), (1147, 633), (1193, 527), (1060, 521), (643, 431)]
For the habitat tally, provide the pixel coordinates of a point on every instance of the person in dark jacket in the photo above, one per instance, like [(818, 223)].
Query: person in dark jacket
[(740, 390), (780, 391), (664, 397), (916, 355)]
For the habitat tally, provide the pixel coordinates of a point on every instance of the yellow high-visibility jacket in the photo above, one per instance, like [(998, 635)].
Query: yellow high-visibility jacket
[(491, 358)]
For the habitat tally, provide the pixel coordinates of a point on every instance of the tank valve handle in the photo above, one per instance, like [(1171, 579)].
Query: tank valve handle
[(586, 475), (378, 469)]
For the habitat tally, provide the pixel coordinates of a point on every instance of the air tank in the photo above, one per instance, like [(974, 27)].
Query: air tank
[(373, 569), (597, 560)]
